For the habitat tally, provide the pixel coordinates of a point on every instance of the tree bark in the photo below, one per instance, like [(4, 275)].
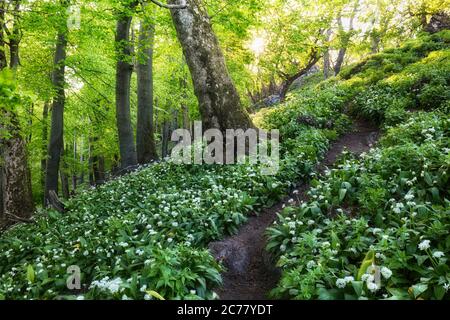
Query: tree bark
[(56, 143), (123, 78), (3, 65), (97, 164), (184, 106), (289, 79), (3, 61), (326, 57), (74, 171), (145, 135), (64, 176), (219, 102), (165, 139), (16, 194), (14, 38), (345, 39), (44, 146)]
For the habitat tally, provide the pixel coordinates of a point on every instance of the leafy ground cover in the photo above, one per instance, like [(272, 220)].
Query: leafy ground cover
[(144, 235), (376, 227)]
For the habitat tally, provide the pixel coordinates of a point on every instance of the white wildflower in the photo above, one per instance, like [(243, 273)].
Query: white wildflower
[(409, 197), (349, 279), (373, 287), (424, 245), (438, 254), (341, 283), (386, 272)]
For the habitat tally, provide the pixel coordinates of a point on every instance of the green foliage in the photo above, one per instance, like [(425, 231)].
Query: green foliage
[(146, 231), (390, 202), (387, 209), (321, 105), (386, 86)]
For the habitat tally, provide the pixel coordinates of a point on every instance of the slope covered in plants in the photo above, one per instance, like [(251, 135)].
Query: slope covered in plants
[(376, 227)]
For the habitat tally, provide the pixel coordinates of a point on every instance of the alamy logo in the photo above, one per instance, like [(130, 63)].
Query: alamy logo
[(253, 146), (74, 279)]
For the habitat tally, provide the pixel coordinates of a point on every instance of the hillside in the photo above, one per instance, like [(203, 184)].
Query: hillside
[(145, 235)]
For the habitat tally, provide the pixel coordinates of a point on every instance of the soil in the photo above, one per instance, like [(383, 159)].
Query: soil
[(251, 273)]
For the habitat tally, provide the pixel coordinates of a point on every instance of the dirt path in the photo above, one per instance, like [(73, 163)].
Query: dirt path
[(251, 274)]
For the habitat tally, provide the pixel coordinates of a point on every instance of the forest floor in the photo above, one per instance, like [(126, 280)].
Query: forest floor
[(251, 273)]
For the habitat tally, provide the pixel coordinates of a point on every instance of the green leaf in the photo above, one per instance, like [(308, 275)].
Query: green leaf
[(342, 194), (367, 262), (30, 273), (397, 294), (420, 259), (418, 289), (435, 193), (155, 294), (358, 287), (428, 179), (439, 292), (325, 294)]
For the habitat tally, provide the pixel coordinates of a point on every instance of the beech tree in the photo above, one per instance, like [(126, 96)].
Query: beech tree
[(124, 71), (56, 140), (219, 102), (145, 141)]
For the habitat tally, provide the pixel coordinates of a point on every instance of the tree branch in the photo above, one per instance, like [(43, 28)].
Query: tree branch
[(183, 5)]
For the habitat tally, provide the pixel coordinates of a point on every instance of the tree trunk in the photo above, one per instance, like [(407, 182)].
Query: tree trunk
[(44, 146), (3, 61), (16, 194), (289, 79), (165, 139), (64, 177), (2, 212), (74, 171), (219, 102), (375, 43), (97, 165), (343, 49), (56, 145), (3, 65), (184, 106), (14, 38), (145, 136), (438, 22), (123, 78), (346, 39), (326, 57), (18, 200)]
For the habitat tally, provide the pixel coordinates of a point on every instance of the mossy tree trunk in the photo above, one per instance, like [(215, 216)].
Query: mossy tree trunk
[(16, 197)]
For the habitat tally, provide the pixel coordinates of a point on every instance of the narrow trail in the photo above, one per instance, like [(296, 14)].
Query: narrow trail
[(251, 274)]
